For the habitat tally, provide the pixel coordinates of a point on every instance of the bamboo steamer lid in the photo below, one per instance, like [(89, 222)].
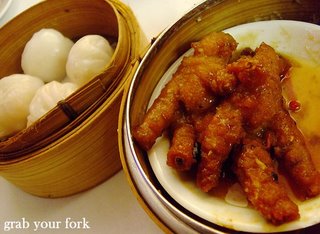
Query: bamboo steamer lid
[(73, 147), (209, 16)]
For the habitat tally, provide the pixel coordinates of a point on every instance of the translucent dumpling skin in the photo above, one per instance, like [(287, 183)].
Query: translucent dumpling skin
[(47, 98), (87, 58), (16, 93), (45, 55)]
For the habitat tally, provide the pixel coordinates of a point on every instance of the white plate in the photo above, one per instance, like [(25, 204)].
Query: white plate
[(4, 5), (287, 37)]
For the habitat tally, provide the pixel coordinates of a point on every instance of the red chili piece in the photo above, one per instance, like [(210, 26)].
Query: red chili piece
[(294, 105)]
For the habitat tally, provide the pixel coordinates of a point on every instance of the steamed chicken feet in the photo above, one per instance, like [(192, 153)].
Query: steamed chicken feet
[(291, 150), (251, 106), (262, 107), (258, 95), (257, 175), (158, 117), (211, 54), (223, 131), (181, 152), (193, 84), (220, 103)]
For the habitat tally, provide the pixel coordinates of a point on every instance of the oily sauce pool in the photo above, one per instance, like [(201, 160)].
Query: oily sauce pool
[(301, 90)]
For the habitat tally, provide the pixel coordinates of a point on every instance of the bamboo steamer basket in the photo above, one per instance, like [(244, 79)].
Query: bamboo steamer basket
[(168, 47), (74, 147)]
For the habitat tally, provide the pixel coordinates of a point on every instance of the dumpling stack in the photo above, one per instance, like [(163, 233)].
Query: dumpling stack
[(54, 67)]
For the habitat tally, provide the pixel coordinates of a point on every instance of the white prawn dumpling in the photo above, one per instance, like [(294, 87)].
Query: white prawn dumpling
[(87, 58), (45, 55), (47, 97), (16, 93)]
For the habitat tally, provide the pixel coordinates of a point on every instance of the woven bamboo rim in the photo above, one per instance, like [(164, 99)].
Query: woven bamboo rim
[(83, 17), (209, 16), (83, 152)]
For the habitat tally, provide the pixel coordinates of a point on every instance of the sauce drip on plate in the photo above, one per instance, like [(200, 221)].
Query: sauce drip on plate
[(301, 90)]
